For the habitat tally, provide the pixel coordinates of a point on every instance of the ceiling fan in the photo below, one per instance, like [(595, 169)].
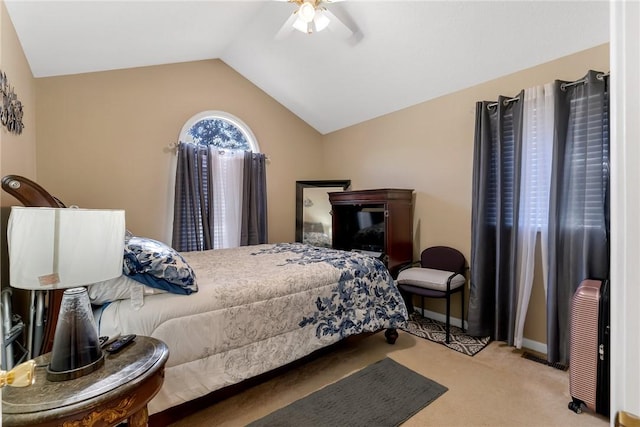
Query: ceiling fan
[(311, 17)]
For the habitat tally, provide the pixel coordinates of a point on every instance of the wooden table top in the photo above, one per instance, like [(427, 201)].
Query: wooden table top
[(122, 373)]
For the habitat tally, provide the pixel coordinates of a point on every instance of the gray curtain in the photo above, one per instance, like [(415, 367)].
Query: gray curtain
[(193, 207), (192, 214), (579, 201), (254, 200), (495, 206)]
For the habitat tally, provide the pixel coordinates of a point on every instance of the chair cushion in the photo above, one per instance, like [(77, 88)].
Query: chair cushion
[(430, 278)]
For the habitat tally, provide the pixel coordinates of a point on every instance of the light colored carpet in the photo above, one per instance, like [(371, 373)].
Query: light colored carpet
[(497, 387)]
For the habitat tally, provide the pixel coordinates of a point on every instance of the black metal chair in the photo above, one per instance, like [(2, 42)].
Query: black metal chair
[(441, 274)]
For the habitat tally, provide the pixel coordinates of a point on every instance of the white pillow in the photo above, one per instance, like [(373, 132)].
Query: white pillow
[(117, 289)]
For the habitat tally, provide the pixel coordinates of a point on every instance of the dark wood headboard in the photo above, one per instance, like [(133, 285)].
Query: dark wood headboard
[(31, 194)]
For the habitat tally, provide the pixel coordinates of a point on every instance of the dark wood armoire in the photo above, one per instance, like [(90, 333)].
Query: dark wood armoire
[(377, 221)]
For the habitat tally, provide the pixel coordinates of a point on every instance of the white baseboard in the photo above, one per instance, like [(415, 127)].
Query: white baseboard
[(534, 345), (455, 321), (526, 343)]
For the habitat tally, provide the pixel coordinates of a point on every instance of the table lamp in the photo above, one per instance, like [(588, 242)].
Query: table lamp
[(67, 248)]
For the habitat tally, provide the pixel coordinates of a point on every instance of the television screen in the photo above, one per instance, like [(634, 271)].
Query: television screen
[(370, 230)]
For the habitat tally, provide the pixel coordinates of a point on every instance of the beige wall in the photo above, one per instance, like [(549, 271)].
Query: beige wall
[(104, 136), (429, 148), (17, 152)]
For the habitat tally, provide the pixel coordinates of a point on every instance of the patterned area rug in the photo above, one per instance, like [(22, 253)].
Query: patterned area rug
[(435, 331)]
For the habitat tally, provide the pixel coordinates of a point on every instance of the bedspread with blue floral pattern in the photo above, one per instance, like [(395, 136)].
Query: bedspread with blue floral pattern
[(364, 299)]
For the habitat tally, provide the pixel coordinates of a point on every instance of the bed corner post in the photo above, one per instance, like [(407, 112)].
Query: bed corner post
[(391, 334)]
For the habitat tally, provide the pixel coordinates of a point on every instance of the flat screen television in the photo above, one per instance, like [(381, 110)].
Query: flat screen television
[(361, 228)]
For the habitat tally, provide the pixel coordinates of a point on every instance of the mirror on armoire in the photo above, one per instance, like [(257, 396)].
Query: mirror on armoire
[(313, 210)]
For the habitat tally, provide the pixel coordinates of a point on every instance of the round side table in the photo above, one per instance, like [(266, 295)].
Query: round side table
[(118, 391)]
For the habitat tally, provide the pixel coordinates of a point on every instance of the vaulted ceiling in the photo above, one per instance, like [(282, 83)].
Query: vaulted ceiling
[(402, 52)]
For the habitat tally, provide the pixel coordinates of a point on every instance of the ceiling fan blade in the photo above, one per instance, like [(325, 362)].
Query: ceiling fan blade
[(287, 27), (339, 26)]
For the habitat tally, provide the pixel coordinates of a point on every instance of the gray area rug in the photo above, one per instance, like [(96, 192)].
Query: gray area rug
[(381, 395), (435, 331)]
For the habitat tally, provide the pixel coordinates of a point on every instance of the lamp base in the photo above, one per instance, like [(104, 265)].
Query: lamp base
[(75, 373), (76, 347)]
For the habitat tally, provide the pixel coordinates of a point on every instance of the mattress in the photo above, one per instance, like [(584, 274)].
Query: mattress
[(257, 308)]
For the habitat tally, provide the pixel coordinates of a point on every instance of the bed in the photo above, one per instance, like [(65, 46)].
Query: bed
[(257, 308), (248, 310)]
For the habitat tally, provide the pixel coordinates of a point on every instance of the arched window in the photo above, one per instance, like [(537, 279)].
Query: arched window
[(219, 129), (220, 185)]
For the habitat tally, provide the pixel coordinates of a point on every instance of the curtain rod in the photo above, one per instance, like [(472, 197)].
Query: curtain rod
[(563, 86), (173, 147), (599, 76), (505, 102)]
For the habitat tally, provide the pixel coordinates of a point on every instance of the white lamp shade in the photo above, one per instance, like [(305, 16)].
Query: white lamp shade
[(53, 248)]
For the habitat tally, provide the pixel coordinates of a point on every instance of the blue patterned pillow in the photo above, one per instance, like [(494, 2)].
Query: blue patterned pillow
[(157, 265)]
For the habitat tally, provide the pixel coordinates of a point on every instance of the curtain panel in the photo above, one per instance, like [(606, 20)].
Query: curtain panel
[(579, 201), (563, 145), (537, 145), (495, 207), (254, 199), (226, 176), (192, 214)]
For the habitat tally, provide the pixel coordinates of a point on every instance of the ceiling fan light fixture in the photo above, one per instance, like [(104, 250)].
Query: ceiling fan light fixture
[(320, 20), (300, 25), (310, 18), (307, 12)]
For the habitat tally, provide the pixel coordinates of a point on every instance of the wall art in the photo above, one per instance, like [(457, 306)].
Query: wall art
[(10, 108)]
